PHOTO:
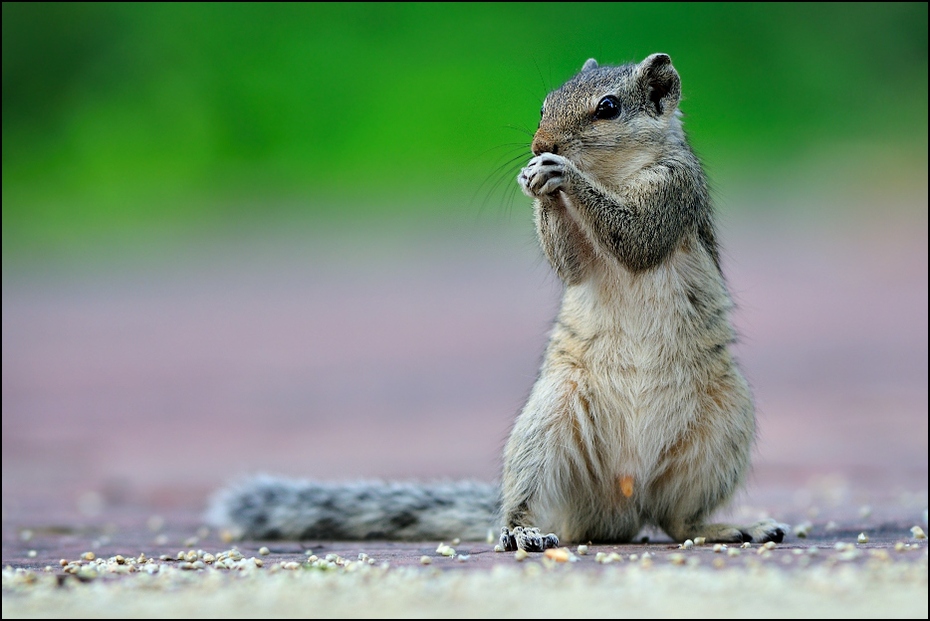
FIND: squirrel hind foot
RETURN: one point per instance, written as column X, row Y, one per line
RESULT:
column 528, row 539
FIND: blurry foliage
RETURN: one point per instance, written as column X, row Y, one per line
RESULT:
column 122, row 117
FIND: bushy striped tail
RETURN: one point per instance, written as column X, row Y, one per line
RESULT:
column 266, row 507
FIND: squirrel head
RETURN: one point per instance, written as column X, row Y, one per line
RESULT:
column 611, row 113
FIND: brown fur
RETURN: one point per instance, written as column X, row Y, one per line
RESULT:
column 640, row 414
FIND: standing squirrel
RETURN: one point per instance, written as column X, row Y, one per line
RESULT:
column 639, row 415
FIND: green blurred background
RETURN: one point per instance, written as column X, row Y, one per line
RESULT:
column 124, row 122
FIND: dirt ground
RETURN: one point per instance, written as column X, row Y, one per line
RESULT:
column 131, row 392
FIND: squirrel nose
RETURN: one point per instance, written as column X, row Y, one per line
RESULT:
column 543, row 143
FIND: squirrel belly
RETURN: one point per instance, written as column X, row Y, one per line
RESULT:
column 266, row 507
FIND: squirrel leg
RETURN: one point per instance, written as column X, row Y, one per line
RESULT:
column 565, row 244
column 691, row 483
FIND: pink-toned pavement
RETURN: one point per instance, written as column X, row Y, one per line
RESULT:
column 130, row 393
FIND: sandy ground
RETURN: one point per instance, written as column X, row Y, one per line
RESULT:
column 131, row 392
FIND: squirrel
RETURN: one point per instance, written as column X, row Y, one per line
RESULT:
column 639, row 415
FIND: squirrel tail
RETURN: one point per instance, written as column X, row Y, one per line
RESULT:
column 267, row 507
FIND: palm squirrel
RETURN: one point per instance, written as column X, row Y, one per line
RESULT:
column 639, row 415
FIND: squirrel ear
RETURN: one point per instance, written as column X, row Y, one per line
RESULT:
column 588, row 65
column 660, row 82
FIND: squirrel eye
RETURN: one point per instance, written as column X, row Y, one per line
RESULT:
column 541, row 110
column 608, row 108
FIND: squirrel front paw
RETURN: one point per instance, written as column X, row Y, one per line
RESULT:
column 544, row 174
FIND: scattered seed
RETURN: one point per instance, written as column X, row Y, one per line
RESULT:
column 559, row 555
column 291, row 565
column 498, row 548
column 31, row 553
column 63, row 562
column 264, row 551
column 733, row 552
column 456, row 541
column 918, row 532
column 862, row 538
column 719, row 547
column 425, row 560
column 770, row 545
column 582, row 550
column 746, row 545
column 699, row 541
column 88, row 556
column 900, row 546
column 521, row 554
column 687, row 545
column 677, row 559
column 155, row 523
